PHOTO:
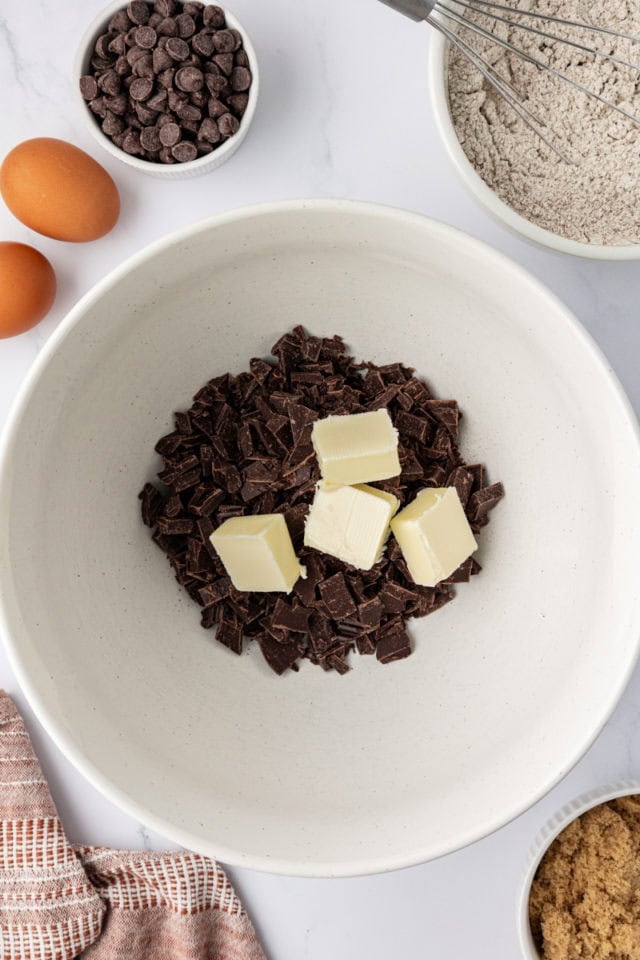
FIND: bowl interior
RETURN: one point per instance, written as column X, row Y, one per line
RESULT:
column 313, row 773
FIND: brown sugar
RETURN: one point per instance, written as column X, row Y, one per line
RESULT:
column 585, row 896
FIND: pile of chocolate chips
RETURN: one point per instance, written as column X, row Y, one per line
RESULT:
column 169, row 82
column 245, row 447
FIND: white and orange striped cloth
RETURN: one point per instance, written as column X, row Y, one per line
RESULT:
column 58, row 901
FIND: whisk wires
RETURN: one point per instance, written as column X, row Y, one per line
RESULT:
column 447, row 16
column 443, row 9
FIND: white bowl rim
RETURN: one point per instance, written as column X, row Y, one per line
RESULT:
column 546, row 836
column 487, row 197
column 56, row 729
column 209, row 161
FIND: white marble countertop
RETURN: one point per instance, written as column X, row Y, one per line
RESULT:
column 343, row 113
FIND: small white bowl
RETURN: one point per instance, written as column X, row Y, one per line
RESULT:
column 165, row 171
column 551, row 830
column 475, row 185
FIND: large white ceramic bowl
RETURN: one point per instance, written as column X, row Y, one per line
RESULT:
column 312, row 773
column 481, row 192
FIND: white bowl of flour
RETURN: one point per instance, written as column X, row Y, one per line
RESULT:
column 589, row 208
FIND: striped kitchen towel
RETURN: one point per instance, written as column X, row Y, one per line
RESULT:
column 58, row 901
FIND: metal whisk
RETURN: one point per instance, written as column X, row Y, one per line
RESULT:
column 447, row 15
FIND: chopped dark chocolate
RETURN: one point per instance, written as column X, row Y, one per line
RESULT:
column 337, row 598
column 394, row 644
column 244, row 447
column 290, row 618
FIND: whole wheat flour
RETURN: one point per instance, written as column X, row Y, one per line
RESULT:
column 597, row 199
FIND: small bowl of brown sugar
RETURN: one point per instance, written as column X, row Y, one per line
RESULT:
column 581, row 896
column 586, row 204
column 168, row 87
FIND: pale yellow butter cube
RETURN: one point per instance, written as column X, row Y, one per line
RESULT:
column 257, row 553
column 350, row 523
column 357, row 447
column 434, row 535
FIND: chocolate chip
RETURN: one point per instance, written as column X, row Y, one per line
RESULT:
column 213, row 16
column 88, row 87
column 216, row 84
column 184, row 151
column 228, row 125
column 155, row 19
column 194, row 9
column 224, row 41
column 134, row 53
column 99, row 64
column 122, row 66
column 216, row 108
column 209, row 131
column 238, row 103
column 188, row 113
column 241, row 59
column 143, row 67
column 175, row 99
column 120, row 22
column 117, row 104
column 102, row 46
column 186, row 25
column 165, row 79
column 131, row 144
column 145, row 114
column 203, row 44
column 225, row 62
column 140, row 89
column 169, row 134
column 158, row 101
column 165, row 156
column 161, row 61
column 111, row 124
column 138, row 11
column 150, row 139
column 110, row 83
column 189, row 79
column 167, row 27
column 240, row 79
column 166, row 8
column 146, row 37
column 118, row 46
column 177, row 48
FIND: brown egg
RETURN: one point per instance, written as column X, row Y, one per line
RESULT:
column 27, row 288
column 59, row 190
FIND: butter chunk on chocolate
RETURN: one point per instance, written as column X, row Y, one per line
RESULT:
column 434, row 535
column 356, row 447
column 257, row 553
column 350, row 523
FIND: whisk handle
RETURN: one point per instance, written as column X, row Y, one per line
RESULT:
column 415, row 9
